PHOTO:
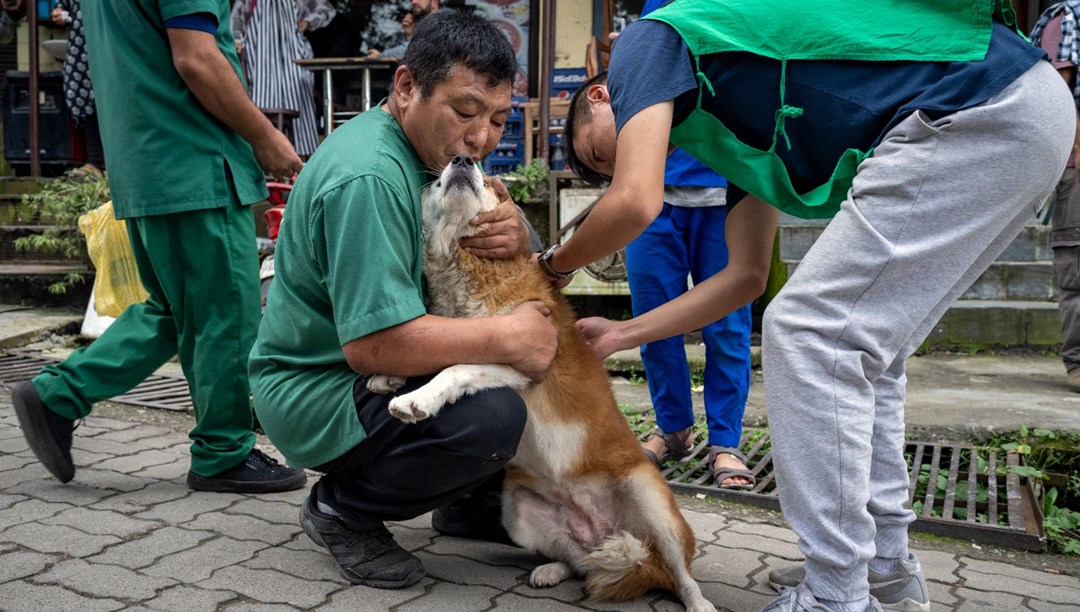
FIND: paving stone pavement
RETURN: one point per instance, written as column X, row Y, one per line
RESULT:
column 128, row 534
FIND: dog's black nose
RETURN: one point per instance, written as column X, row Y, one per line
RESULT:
column 462, row 160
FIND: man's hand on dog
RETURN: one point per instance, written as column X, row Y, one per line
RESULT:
column 536, row 339
column 602, row 335
column 506, row 235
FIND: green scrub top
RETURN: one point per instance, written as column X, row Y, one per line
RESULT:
column 165, row 152
column 348, row 263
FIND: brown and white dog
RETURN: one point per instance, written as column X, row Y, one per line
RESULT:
column 579, row 491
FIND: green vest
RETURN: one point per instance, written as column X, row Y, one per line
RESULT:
column 882, row 30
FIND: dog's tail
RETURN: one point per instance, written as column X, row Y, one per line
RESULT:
column 624, row 568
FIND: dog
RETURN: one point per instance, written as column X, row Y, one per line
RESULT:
column 579, row 491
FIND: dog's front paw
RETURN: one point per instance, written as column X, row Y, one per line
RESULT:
column 382, row 384
column 550, row 574
column 412, row 407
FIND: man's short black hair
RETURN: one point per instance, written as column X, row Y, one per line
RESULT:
column 445, row 39
column 579, row 115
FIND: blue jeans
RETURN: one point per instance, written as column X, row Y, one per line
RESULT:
column 681, row 242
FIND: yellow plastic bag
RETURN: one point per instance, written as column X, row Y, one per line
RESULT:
column 117, row 284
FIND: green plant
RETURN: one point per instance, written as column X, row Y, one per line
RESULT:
column 1046, row 452
column 527, row 182
column 59, row 205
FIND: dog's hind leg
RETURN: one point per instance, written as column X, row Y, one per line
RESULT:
column 452, row 384
column 550, row 574
column 671, row 535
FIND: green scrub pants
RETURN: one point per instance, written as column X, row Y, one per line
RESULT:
column 201, row 270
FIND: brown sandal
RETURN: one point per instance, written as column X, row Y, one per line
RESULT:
column 723, row 473
column 677, row 444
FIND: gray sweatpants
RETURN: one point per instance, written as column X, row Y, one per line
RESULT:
column 927, row 213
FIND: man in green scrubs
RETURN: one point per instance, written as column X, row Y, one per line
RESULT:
column 184, row 146
column 348, row 302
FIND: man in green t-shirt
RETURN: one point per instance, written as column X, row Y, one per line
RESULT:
column 184, row 145
column 348, row 302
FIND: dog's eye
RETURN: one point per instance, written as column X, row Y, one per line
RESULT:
column 438, row 183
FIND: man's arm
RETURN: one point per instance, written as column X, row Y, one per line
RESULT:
column 750, row 230
column 211, row 78
column 636, row 194
column 523, row 338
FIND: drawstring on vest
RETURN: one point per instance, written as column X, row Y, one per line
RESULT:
column 784, row 112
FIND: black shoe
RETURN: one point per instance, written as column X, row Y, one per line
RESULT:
column 366, row 555
column 48, row 434
column 476, row 516
column 259, row 473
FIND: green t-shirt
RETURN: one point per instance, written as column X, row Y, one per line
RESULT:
column 166, row 153
column 348, row 263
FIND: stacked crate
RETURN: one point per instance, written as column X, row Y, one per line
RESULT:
column 564, row 83
column 510, row 152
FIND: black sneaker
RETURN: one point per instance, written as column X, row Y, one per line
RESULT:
column 475, row 516
column 366, row 555
column 259, row 473
column 48, row 434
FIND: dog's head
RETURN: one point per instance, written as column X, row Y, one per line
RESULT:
column 459, row 194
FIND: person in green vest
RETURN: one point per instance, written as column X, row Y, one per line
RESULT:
column 348, row 301
column 930, row 132
column 184, row 146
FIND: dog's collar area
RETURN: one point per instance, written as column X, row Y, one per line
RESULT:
column 545, row 264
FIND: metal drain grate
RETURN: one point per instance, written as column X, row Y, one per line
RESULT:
column 979, row 505
column 158, row 391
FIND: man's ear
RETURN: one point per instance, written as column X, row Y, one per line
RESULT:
column 598, row 93
column 405, row 86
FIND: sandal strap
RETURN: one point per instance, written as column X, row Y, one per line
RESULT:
column 676, row 443
column 725, row 450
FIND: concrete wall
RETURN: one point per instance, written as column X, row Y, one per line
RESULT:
column 573, row 28
column 45, row 61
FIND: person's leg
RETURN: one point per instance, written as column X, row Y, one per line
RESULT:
column 209, row 266
column 924, row 217
column 1065, row 241
column 403, row 470
column 95, row 152
column 136, row 344
column 657, row 269
column 727, row 341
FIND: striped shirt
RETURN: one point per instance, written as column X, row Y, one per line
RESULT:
column 1068, row 48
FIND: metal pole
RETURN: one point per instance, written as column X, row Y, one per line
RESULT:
column 35, row 105
column 547, row 65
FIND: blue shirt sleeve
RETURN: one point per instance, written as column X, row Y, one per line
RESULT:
column 649, row 64
column 203, row 22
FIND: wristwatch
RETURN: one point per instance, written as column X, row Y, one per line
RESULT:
column 545, row 264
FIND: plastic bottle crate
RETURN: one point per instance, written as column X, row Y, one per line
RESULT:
column 510, row 146
column 514, row 127
column 493, row 169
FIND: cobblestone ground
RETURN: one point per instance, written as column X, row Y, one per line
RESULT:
column 128, row 534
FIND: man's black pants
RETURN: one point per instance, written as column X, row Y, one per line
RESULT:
column 403, row 470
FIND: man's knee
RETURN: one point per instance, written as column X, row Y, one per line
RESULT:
column 487, row 425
